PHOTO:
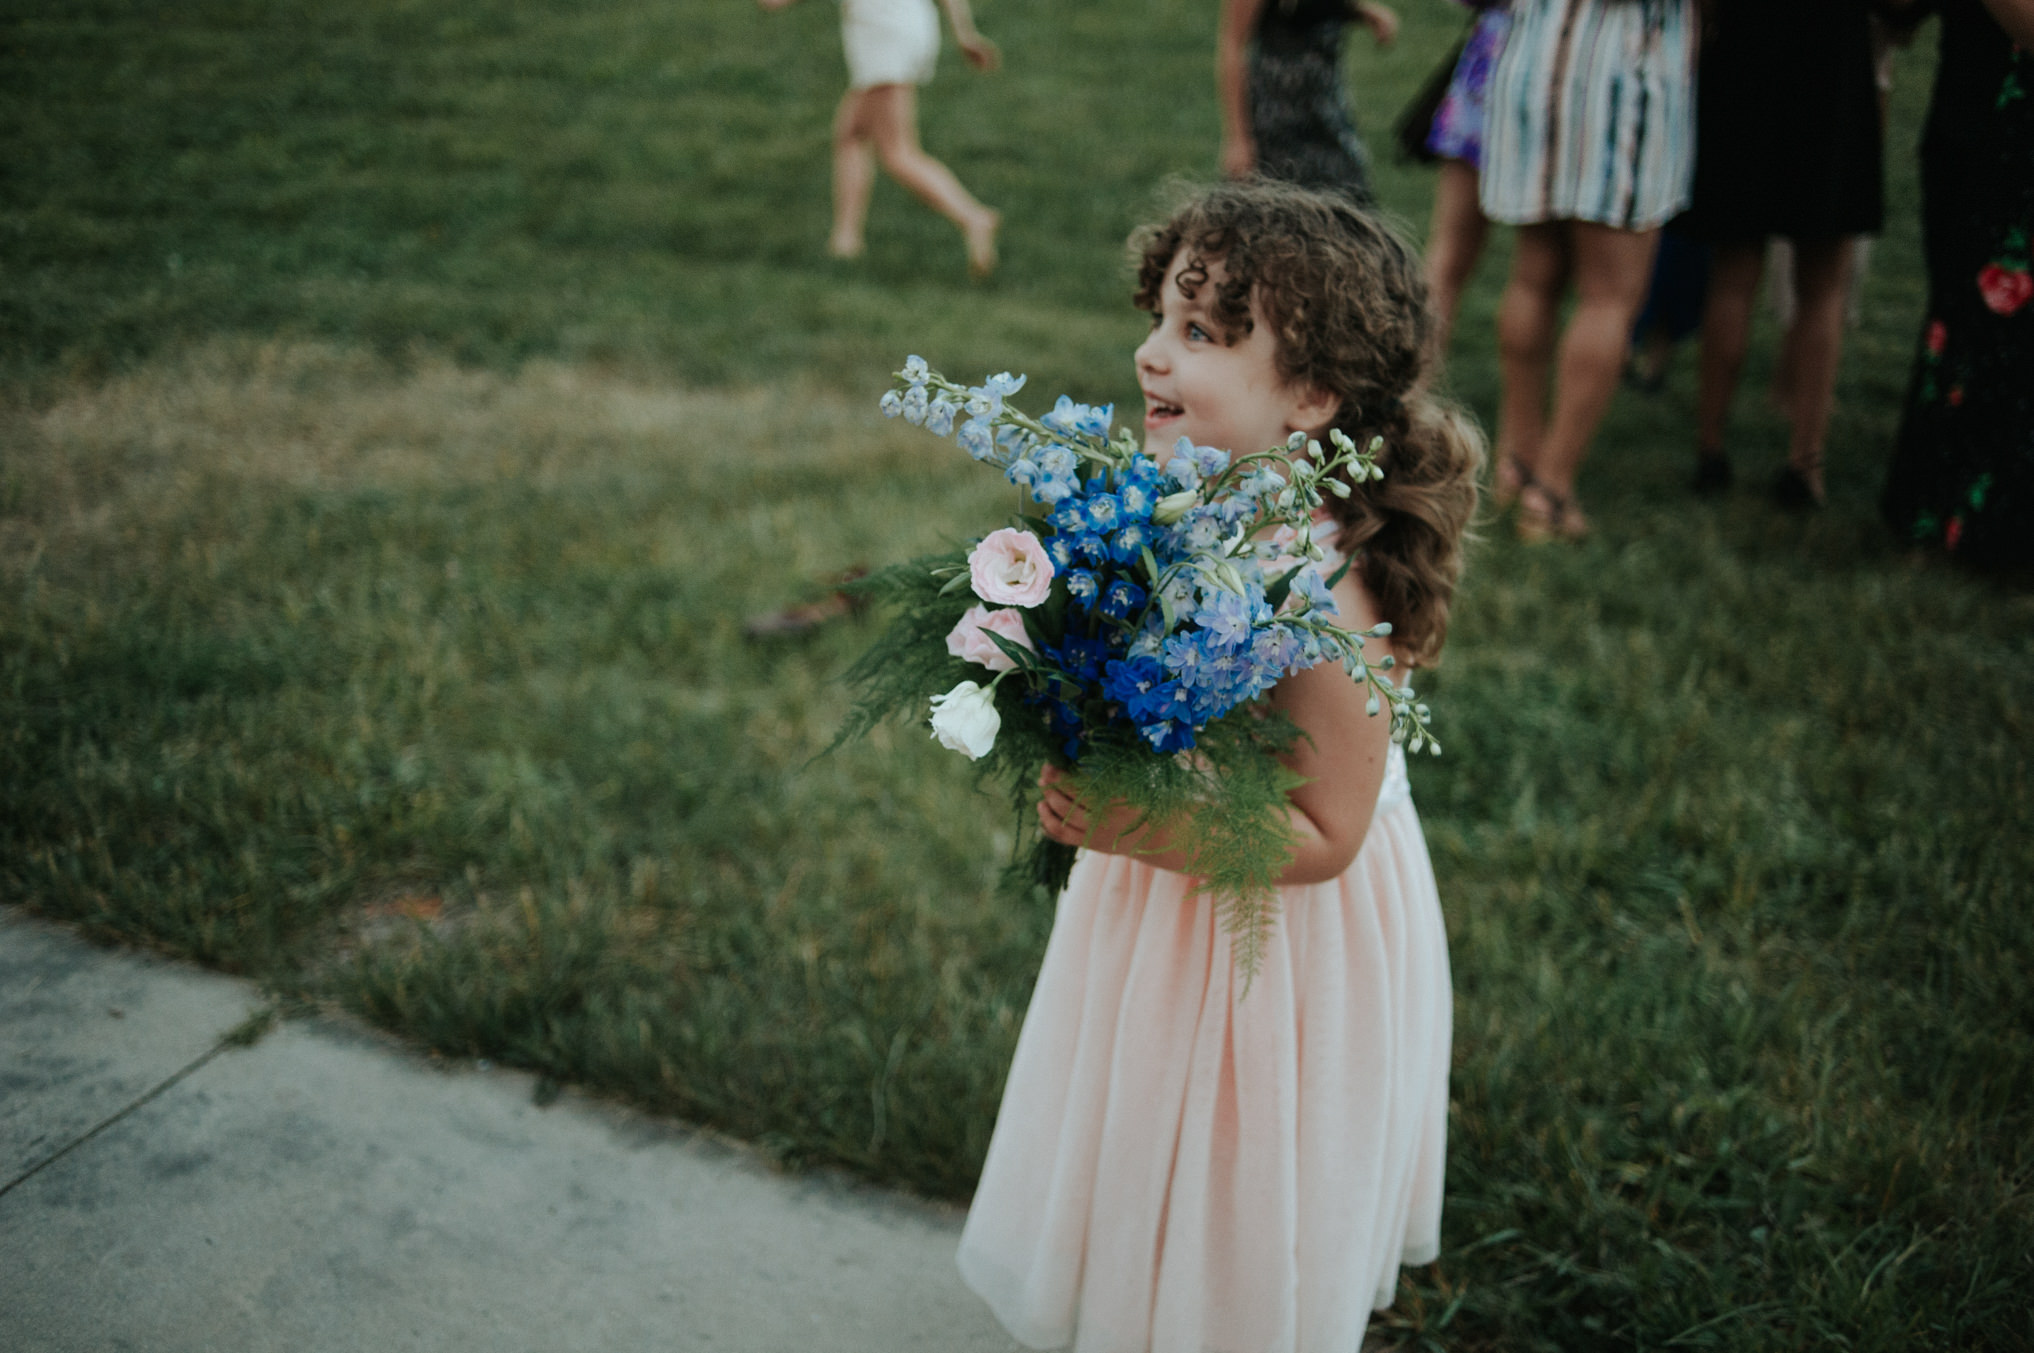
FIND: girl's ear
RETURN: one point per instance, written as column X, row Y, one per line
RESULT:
column 1312, row 409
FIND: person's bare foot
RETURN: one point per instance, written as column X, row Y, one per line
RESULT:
column 981, row 238
column 844, row 247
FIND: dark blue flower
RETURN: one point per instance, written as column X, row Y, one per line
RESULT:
column 1121, row 598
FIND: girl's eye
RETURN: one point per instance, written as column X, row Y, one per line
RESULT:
column 1196, row 331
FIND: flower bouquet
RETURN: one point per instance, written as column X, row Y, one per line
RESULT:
column 1124, row 624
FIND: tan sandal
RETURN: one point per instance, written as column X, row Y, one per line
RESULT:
column 1545, row 516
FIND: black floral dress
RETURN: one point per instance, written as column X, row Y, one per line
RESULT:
column 1962, row 476
column 1299, row 115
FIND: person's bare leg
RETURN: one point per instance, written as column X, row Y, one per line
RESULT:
column 1821, row 278
column 1611, row 268
column 892, row 124
column 1526, row 319
column 1726, row 331
column 854, row 177
column 1454, row 243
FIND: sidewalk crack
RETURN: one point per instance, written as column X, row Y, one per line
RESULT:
column 242, row 1035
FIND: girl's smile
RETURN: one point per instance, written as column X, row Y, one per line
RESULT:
column 1225, row 394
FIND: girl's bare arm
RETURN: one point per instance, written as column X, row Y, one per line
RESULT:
column 981, row 53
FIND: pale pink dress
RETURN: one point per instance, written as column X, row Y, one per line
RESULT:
column 1181, row 1168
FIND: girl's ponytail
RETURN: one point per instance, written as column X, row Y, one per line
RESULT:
column 1409, row 528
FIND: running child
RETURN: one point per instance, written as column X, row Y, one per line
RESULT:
column 891, row 47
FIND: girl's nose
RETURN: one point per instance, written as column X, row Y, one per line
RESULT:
column 1150, row 353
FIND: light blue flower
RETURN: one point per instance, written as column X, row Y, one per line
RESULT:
column 1072, row 418
column 916, row 371
column 939, row 417
column 1312, row 590
column 892, row 403
column 1226, row 616
column 1209, row 460
column 986, row 400
column 976, row 437
column 915, row 400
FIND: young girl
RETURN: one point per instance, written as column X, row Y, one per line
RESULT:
column 891, row 47
column 1180, row 1165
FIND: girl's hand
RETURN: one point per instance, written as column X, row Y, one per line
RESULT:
column 1068, row 820
column 1381, row 20
column 1239, row 156
column 981, row 53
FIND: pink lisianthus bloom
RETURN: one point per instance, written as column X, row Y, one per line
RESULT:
column 1010, row 567
column 969, row 640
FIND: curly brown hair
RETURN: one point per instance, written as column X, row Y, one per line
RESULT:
column 1345, row 297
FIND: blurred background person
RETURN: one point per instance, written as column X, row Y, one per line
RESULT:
column 892, row 47
column 1454, row 137
column 1962, row 476
column 1588, row 148
column 1278, row 73
column 1673, row 309
column 1789, row 144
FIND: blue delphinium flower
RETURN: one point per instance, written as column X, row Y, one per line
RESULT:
column 986, row 400
column 1101, row 509
column 1130, row 542
column 1134, row 499
column 1081, row 583
column 1080, row 658
column 1312, row 591
column 1070, row 418
column 1121, row 598
column 1225, row 615
column 939, row 417
column 977, row 438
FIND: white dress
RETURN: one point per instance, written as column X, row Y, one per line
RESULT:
column 1183, row 1168
column 889, row 42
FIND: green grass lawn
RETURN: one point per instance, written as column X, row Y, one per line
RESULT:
column 402, row 406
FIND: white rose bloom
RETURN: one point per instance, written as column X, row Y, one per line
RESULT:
column 965, row 719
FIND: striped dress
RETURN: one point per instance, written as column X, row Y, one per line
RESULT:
column 1591, row 114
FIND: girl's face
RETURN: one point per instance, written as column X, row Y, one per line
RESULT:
column 1221, row 394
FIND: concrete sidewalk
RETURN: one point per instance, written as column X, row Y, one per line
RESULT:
column 163, row 1190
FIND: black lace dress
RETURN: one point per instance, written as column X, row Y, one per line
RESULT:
column 1962, row 476
column 1299, row 114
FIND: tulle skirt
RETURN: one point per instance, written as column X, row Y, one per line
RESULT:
column 1179, row 1166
